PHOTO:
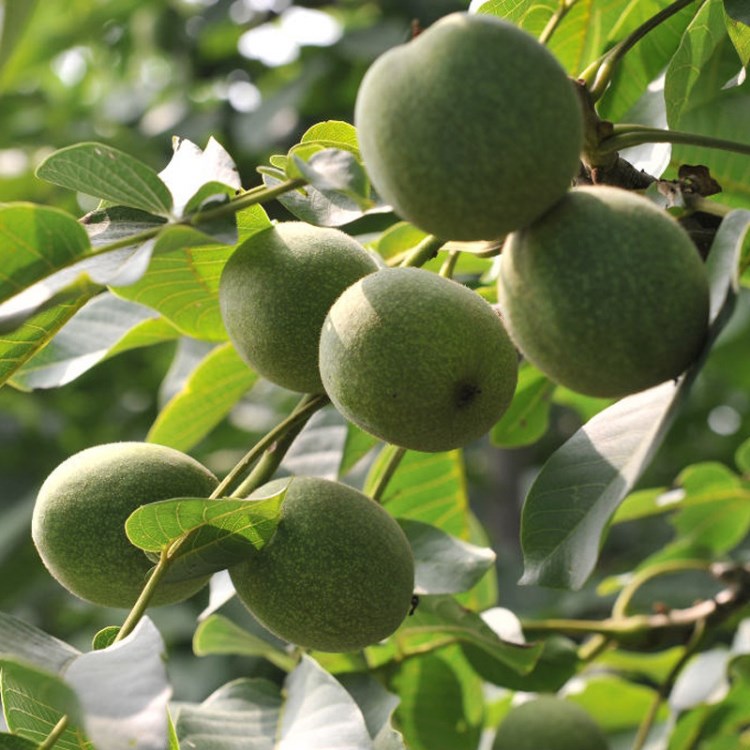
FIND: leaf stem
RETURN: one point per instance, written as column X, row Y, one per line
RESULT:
column 274, row 454
column 259, row 194
column 57, row 732
column 392, row 462
column 555, row 19
column 144, row 599
column 625, row 135
column 620, row 607
column 449, row 266
column 426, row 250
column 598, row 75
column 302, row 412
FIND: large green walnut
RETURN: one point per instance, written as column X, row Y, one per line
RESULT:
column 338, row 573
column 470, row 130
column 606, row 294
column 417, row 360
column 275, row 291
column 549, row 723
column 78, row 524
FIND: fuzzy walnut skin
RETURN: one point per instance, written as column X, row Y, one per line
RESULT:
column 417, row 360
column 275, row 291
column 606, row 294
column 471, row 130
column 78, row 524
column 337, row 575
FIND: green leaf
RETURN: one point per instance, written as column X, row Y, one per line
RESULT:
column 105, row 637
column 182, row 284
column 699, row 101
column 558, row 662
column 427, row 487
column 527, row 418
column 206, row 397
column 35, row 700
column 444, row 564
column 439, row 621
column 14, row 742
column 219, row 635
column 332, row 134
column 357, row 445
column 103, row 326
column 105, row 172
column 204, row 535
column 398, row 239
column 581, row 485
column 18, row 347
column 616, row 704
column 646, row 60
column 442, row 705
column 636, row 666
column 36, row 241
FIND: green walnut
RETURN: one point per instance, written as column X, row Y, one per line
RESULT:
column 275, row 291
column 470, row 130
column 606, row 294
column 78, row 523
column 549, row 723
column 417, row 360
column 338, row 573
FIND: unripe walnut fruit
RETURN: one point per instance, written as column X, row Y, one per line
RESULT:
column 275, row 291
column 78, row 524
column 470, row 130
column 606, row 293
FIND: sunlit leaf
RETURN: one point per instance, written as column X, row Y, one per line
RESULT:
column 428, row 487
column 377, row 706
column 105, row 172
column 191, row 168
column 441, row 701
column 205, row 398
column 22, row 344
column 124, row 690
column 219, row 635
column 36, row 241
column 332, row 134
column 243, row 712
column 103, row 326
column 527, row 418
